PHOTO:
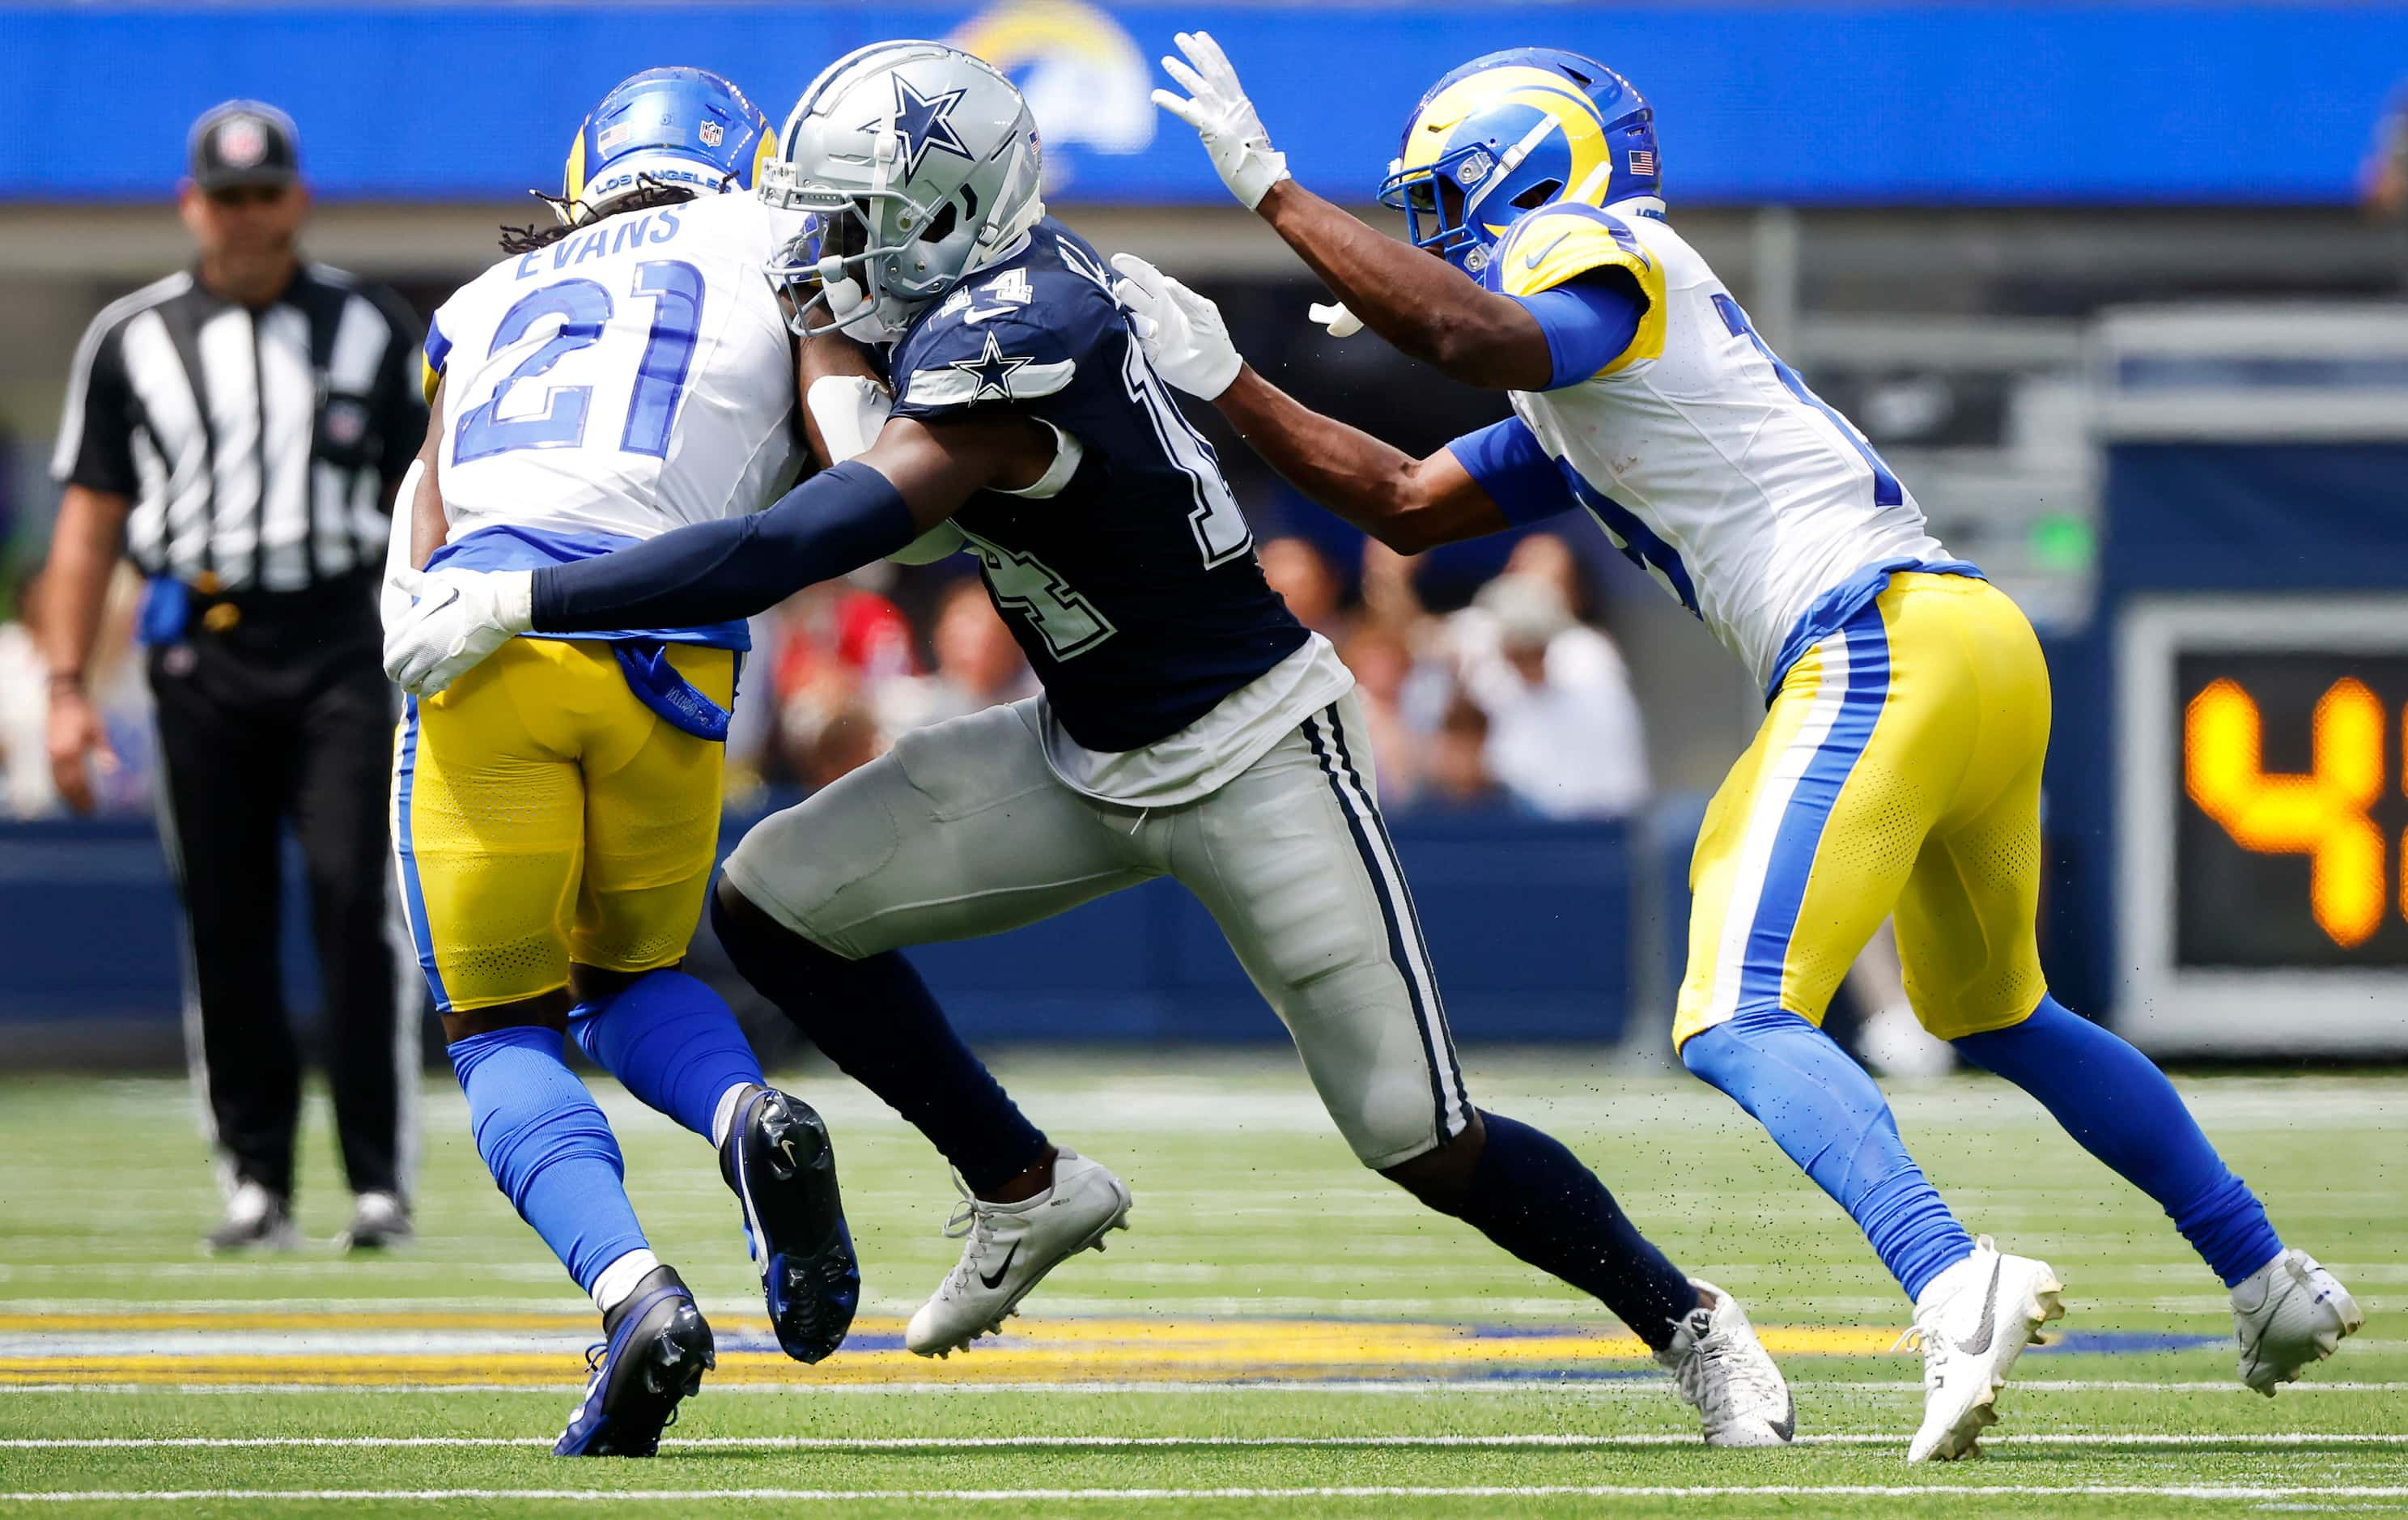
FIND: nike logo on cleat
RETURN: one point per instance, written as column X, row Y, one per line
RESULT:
column 996, row 1281
column 1980, row 1344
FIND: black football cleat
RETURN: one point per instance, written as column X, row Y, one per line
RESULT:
column 655, row 1350
column 781, row 1165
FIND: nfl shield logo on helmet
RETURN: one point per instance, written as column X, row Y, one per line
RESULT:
column 712, row 133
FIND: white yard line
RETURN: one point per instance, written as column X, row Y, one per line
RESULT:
column 947, row 1443
column 1142, row 1495
column 1636, row 1384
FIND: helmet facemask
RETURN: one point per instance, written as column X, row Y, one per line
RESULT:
column 889, row 234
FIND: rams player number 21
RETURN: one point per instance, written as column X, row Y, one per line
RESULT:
column 556, row 812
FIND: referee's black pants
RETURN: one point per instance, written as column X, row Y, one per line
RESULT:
column 281, row 714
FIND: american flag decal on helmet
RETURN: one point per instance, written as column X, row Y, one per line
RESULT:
column 1642, row 162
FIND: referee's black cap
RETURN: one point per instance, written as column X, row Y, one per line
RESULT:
column 244, row 142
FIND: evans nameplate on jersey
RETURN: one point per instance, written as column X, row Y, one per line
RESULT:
column 2263, row 834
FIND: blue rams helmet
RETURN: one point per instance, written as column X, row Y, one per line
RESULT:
column 1510, row 132
column 679, row 127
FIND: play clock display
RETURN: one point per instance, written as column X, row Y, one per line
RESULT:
column 2264, row 822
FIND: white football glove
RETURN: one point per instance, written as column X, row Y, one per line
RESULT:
column 458, row 617
column 1340, row 322
column 1223, row 117
column 1181, row 332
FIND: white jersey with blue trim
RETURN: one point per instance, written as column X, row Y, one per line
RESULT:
column 629, row 379
column 1705, row 458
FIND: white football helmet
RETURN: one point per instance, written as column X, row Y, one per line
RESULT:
column 920, row 164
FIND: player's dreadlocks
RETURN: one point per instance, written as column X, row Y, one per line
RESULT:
column 575, row 217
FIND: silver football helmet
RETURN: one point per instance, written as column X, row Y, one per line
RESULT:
column 920, row 165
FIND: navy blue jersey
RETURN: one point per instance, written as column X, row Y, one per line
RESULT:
column 1133, row 590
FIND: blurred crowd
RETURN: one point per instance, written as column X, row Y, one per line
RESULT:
column 1516, row 702
column 125, row 773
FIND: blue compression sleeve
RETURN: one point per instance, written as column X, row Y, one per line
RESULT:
column 671, row 1041
column 1508, row 462
column 1589, row 324
column 838, row 521
column 2121, row 1109
column 1827, row 1113
column 551, row 1151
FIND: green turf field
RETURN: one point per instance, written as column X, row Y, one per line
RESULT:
column 1277, row 1333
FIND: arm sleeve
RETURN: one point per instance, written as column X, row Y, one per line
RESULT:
column 1589, row 323
column 96, row 433
column 838, row 521
column 1507, row 461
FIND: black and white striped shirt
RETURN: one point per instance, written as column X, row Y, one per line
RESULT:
column 257, row 447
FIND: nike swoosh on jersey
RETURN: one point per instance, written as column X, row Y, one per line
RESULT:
column 1980, row 1344
column 996, row 1281
column 980, row 313
column 1537, row 256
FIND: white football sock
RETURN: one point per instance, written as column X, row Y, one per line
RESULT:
column 723, row 1119
column 620, row 1278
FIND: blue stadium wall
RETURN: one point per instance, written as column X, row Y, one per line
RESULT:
column 1811, row 103
column 1532, row 926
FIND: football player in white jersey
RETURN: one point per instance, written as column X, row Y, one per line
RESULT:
column 1898, row 766
column 556, row 813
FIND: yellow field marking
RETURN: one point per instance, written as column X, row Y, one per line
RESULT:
column 1045, row 1351
column 1279, row 1339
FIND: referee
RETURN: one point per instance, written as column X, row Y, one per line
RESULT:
column 238, row 429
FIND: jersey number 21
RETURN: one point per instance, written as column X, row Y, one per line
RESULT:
column 585, row 308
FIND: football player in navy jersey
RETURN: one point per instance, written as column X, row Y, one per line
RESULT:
column 1189, row 726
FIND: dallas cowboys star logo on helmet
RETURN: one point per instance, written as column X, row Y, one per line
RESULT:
column 993, row 370
column 922, row 122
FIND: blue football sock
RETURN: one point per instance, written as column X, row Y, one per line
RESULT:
column 879, row 1023
column 1823, row 1110
column 2121, row 1109
column 552, row 1152
column 671, row 1041
column 1531, row 1196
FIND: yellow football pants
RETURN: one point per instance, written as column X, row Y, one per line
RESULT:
column 1899, row 771
column 543, row 814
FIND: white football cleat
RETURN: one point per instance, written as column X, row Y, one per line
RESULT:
column 1725, row 1374
column 1974, row 1320
column 2287, row 1316
column 1010, row 1248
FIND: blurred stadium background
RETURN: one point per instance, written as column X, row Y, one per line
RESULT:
column 2116, row 287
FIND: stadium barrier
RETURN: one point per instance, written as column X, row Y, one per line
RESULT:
column 1530, row 923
